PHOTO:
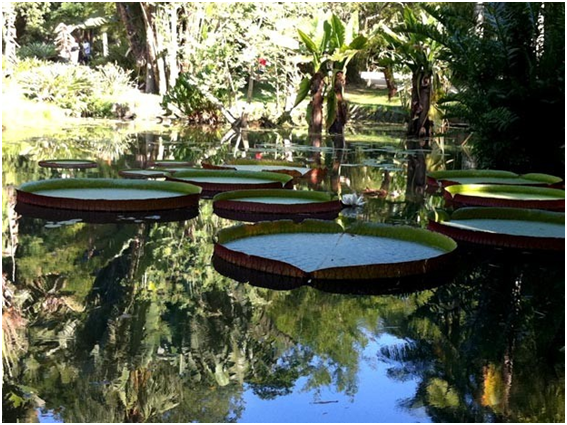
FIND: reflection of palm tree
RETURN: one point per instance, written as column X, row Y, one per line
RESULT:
column 466, row 346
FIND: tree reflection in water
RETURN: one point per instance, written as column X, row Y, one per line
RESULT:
column 129, row 322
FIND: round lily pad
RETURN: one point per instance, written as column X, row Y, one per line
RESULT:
column 109, row 194
column 452, row 177
column 67, row 163
column 166, row 163
column 293, row 169
column 504, row 227
column 274, row 204
column 216, row 181
column 134, row 173
column 506, row 196
column 325, row 251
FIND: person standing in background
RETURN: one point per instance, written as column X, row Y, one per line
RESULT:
column 86, row 52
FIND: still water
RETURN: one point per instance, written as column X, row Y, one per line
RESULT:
column 131, row 322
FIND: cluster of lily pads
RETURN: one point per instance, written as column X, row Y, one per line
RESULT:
column 291, row 238
column 501, row 208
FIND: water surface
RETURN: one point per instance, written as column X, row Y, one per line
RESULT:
column 130, row 322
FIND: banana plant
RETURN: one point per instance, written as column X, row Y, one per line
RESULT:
column 331, row 47
column 417, row 52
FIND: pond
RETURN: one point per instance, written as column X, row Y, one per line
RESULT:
column 130, row 321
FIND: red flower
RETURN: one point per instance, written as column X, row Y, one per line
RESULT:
column 262, row 61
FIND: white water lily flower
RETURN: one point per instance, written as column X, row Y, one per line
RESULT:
column 353, row 200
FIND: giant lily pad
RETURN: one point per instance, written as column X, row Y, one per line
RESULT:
column 293, row 169
column 216, row 181
column 134, row 173
column 167, row 163
column 483, row 195
column 505, row 227
column 67, row 163
column 452, row 177
column 274, row 204
column 109, row 194
column 325, row 251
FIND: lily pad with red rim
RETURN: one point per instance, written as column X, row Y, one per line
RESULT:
column 134, row 173
column 274, row 204
column 324, row 251
column 167, row 163
column 68, row 163
column 216, row 181
column 451, row 177
column 482, row 195
column 294, row 169
column 109, row 194
column 503, row 227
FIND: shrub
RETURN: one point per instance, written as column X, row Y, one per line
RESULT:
column 81, row 90
column 186, row 100
column 66, row 86
column 44, row 51
column 113, row 79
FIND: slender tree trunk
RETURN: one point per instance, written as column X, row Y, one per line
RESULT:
column 129, row 15
column 173, row 46
column 420, row 125
column 316, row 121
column 9, row 35
column 390, row 82
column 104, row 44
column 156, row 64
column 338, row 125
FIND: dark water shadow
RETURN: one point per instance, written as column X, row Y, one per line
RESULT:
column 105, row 217
column 256, row 217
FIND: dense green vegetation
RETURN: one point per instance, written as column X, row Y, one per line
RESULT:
column 497, row 67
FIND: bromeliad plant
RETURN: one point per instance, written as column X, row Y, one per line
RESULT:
column 332, row 45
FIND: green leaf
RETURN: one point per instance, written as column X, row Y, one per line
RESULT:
column 327, row 30
column 303, row 91
column 358, row 43
column 338, row 31
column 351, row 28
column 331, row 108
column 309, row 43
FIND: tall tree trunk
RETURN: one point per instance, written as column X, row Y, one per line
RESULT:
column 338, row 125
column 129, row 15
column 390, row 82
column 104, row 44
column 9, row 36
column 173, row 47
column 420, row 124
column 316, row 121
column 152, row 47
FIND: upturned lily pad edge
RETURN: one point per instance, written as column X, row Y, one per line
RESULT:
column 188, row 195
column 442, row 175
column 478, row 237
column 66, row 163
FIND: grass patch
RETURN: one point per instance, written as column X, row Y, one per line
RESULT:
column 370, row 97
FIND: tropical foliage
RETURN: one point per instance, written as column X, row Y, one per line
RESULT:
column 331, row 46
column 507, row 64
